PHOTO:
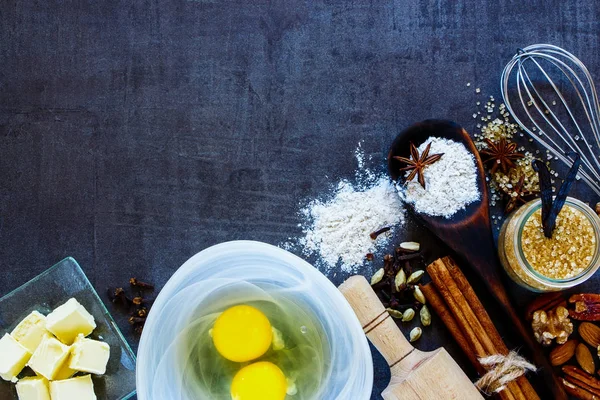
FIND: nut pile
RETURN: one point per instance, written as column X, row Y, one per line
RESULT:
column 552, row 317
column 396, row 286
column 137, row 306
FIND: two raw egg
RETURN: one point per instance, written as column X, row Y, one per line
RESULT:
column 241, row 334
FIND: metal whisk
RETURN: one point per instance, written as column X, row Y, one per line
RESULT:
column 556, row 103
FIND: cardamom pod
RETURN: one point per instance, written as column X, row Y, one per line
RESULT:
column 408, row 315
column 425, row 316
column 377, row 276
column 419, row 295
column 395, row 313
column 415, row 276
column 400, row 280
column 410, row 246
column 415, row 334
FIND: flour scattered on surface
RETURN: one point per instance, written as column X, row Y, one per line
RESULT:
column 451, row 182
column 338, row 230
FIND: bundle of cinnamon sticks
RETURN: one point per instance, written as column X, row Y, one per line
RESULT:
column 454, row 300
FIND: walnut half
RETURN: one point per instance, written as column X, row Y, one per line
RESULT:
column 554, row 324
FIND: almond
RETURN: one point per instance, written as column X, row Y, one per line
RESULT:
column 563, row 353
column 584, row 358
column 590, row 333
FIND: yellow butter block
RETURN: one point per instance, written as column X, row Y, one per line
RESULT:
column 70, row 320
column 65, row 372
column 35, row 388
column 89, row 355
column 80, row 388
column 49, row 357
column 30, row 331
column 13, row 358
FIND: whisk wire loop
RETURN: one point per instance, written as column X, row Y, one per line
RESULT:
column 541, row 76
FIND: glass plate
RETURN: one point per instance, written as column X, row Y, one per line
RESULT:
column 48, row 291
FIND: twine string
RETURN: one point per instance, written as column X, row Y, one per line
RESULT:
column 502, row 370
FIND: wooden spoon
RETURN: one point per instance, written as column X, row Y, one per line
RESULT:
column 469, row 231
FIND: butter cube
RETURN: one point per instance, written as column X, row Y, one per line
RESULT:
column 65, row 372
column 70, row 320
column 89, row 355
column 13, row 358
column 33, row 389
column 49, row 357
column 80, row 388
column 30, row 331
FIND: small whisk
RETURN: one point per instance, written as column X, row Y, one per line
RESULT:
column 556, row 103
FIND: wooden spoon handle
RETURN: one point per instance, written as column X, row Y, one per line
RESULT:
column 379, row 327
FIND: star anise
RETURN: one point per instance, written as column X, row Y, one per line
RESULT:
column 502, row 154
column 417, row 163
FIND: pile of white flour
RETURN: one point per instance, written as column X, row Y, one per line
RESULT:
column 338, row 230
column 450, row 182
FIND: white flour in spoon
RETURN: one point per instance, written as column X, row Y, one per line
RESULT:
column 450, row 182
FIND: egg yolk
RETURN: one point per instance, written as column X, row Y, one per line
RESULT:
column 259, row 381
column 242, row 333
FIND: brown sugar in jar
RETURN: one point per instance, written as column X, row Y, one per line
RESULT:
column 543, row 264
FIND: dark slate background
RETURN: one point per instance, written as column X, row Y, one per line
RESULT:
column 134, row 134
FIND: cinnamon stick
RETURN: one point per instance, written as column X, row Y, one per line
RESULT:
column 464, row 307
column 472, row 328
column 485, row 320
column 461, row 320
column 438, row 306
column 465, row 327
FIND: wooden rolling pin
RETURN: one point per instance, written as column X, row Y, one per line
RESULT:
column 416, row 375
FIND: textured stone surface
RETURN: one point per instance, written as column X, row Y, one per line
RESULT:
column 135, row 133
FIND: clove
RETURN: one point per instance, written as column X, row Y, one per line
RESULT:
column 378, row 232
column 137, row 283
column 142, row 312
column 136, row 320
column 137, row 306
column 139, row 300
column 118, row 296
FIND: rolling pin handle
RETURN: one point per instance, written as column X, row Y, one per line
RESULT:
column 379, row 327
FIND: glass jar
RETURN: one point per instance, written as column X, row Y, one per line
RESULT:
column 515, row 260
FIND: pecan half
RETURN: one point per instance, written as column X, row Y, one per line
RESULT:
column 586, row 307
column 545, row 302
column 577, row 391
column 582, row 380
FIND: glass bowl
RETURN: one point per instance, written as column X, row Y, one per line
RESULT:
column 51, row 289
column 208, row 274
